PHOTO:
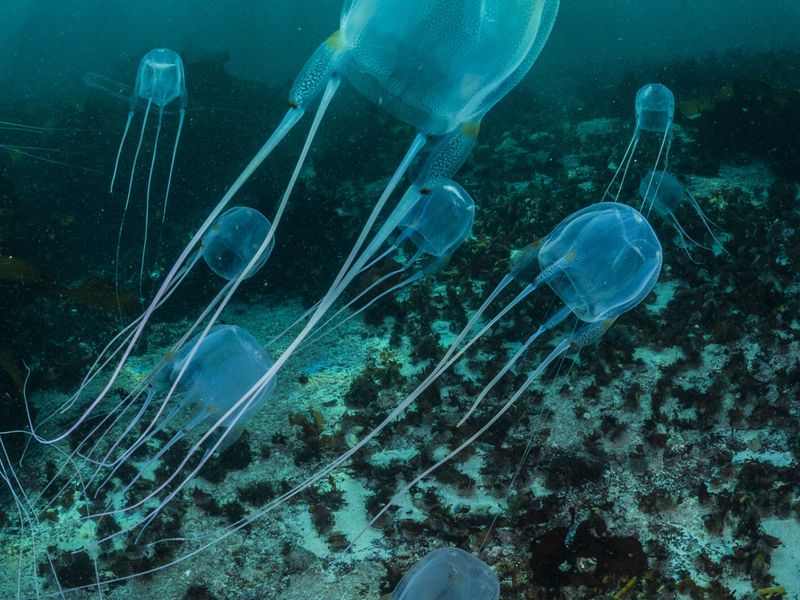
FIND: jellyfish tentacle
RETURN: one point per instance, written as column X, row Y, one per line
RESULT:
column 119, row 150
column 181, row 118
column 625, row 157
column 554, row 320
column 147, row 197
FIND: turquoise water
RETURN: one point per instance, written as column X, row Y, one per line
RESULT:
column 655, row 457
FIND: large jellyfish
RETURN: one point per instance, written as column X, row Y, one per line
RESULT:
column 206, row 379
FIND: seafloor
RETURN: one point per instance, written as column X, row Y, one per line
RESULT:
column 664, row 460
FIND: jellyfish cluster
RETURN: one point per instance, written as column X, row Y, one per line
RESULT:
column 131, row 448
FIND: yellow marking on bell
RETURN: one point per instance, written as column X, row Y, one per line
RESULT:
column 471, row 129
column 335, row 41
column 608, row 323
column 570, row 256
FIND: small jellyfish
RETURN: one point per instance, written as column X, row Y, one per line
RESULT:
column 666, row 197
column 199, row 385
column 448, row 574
column 234, row 240
column 655, row 112
column 160, row 80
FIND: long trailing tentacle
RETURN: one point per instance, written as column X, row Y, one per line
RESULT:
column 709, row 224
column 309, row 311
column 627, row 166
column 128, row 201
column 322, row 331
column 557, row 318
column 181, row 119
column 664, row 142
column 147, row 198
column 119, row 150
column 625, row 157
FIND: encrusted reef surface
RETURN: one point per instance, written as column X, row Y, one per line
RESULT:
column 662, row 462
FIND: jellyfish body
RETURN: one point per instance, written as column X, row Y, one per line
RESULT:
column 439, row 220
column 224, row 365
column 655, row 112
column 448, row 574
column 664, row 199
column 434, row 221
column 202, row 381
column 233, row 240
column 160, row 80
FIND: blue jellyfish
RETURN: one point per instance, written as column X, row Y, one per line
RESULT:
column 449, row 573
column 666, row 197
column 655, row 112
column 160, row 80
column 233, row 240
column 14, row 138
column 435, row 222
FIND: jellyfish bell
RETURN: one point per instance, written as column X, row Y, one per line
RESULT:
column 440, row 220
column 161, row 77
column 232, row 241
column 655, row 108
column 439, row 64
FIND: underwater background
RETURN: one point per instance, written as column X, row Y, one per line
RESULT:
column 661, row 462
